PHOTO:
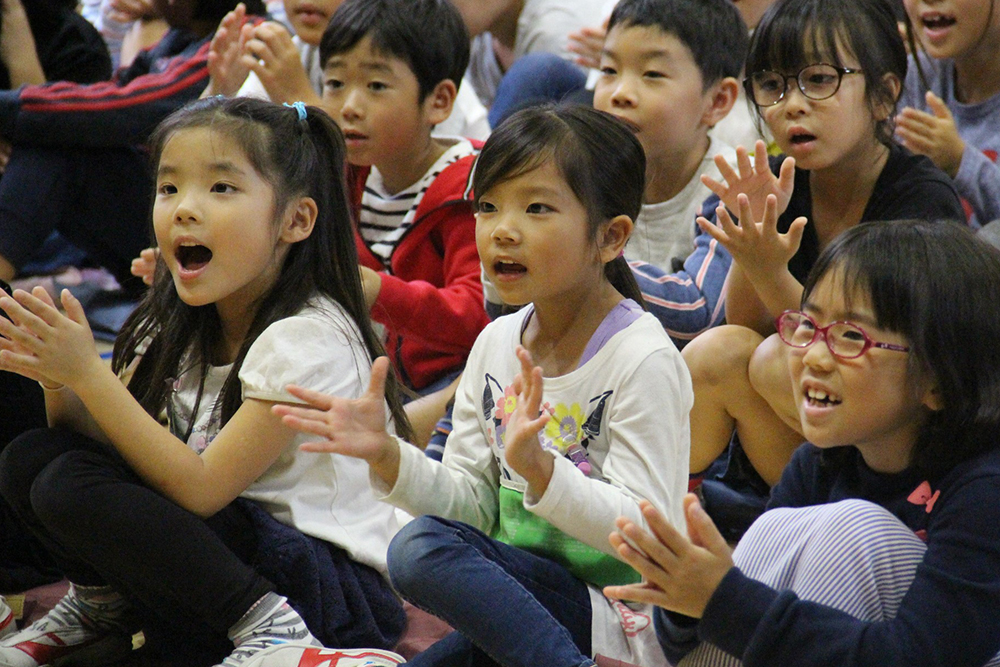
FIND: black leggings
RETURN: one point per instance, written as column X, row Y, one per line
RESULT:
column 103, row 525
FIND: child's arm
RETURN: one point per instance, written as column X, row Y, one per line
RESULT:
column 761, row 286
column 464, row 488
column 647, row 457
column 61, row 348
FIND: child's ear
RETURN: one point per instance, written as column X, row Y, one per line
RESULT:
column 896, row 88
column 613, row 237
column 438, row 104
column 720, row 97
column 932, row 398
column 300, row 220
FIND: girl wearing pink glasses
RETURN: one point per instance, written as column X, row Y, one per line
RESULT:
column 881, row 543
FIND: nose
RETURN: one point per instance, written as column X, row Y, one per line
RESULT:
column 352, row 107
column 818, row 355
column 624, row 93
column 505, row 231
column 795, row 102
column 187, row 211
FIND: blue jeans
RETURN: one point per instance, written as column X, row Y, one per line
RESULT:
column 509, row 607
column 535, row 79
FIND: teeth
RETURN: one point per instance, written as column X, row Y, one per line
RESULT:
column 820, row 395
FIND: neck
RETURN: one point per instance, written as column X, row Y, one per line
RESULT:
column 667, row 175
column 504, row 27
column 977, row 73
column 404, row 171
column 560, row 329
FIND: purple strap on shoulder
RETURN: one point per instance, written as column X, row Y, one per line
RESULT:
column 623, row 314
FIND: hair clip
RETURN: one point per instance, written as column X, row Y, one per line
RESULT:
column 299, row 106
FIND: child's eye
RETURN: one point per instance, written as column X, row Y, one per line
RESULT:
column 224, row 188
column 538, row 209
column 377, row 86
column 653, row 74
column 608, row 71
column 485, row 207
column 333, row 84
column 166, row 189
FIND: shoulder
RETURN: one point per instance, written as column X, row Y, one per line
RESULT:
column 911, row 186
column 454, row 180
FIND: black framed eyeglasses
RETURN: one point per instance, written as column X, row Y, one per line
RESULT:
column 817, row 82
column 845, row 340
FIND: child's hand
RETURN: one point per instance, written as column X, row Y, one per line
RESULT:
column 587, row 45
column 934, row 135
column 753, row 180
column 350, row 427
column 43, row 344
column 126, row 11
column 272, row 56
column 522, row 451
column 144, row 266
column 757, row 247
column 226, row 70
column 679, row 573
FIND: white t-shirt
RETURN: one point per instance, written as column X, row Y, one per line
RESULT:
column 630, row 402
column 666, row 230
column 327, row 496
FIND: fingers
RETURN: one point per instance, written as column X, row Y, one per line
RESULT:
column 760, row 158
column 376, row 386
column 938, row 106
column 795, row 232
column 726, row 170
column 713, row 185
column 743, row 161
column 786, row 175
column 702, row 526
column 35, row 314
column 73, row 307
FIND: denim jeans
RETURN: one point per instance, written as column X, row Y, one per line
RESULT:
column 508, row 607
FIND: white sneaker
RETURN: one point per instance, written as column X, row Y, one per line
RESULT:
column 305, row 655
column 59, row 635
column 7, row 624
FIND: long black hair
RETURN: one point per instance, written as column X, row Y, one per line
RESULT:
column 598, row 155
column 298, row 158
column 936, row 284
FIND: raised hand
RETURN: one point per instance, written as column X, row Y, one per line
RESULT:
column 144, row 266
column 522, row 450
column 758, row 247
column 271, row 54
column 679, row 573
column 754, row 180
column 226, row 68
column 587, row 44
column 41, row 343
column 352, row 427
column 932, row 134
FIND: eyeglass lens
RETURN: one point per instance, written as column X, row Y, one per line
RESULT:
column 817, row 82
column 843, row 339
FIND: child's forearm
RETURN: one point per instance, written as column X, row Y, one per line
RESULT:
column 64, row 409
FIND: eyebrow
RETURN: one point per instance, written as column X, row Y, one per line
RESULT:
column 369, row 65
column 648, row 54
column 849, row 316
column 224, row 167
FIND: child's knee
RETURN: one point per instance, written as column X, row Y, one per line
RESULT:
column 768, row 369
column 413, row 550
column 720, row 355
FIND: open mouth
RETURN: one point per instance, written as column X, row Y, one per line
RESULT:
column 937, row 21
column 505, row 267
column 193, row 257
column 820, row 399
column 803, row 138
column 352, row 135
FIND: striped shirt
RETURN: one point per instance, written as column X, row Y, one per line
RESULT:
column 385, row 218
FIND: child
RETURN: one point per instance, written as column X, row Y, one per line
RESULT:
column 555, row 210
column 951, row 105
column 391, row 68
column 662, row 71
column 887, row 545
column 256, row 287
column 824, row 76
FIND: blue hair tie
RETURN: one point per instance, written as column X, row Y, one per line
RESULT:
column 299, row 106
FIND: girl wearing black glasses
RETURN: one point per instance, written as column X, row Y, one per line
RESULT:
column 881, row 543
column 824, row 75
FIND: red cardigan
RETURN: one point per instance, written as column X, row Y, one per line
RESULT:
column 431, row 301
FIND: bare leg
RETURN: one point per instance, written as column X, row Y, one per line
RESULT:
column 769, row 378
column 724, row 399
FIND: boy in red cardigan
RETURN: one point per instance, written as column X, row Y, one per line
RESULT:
column 391, row 71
